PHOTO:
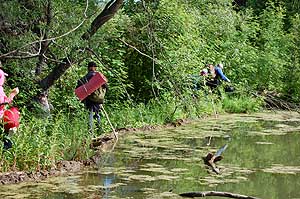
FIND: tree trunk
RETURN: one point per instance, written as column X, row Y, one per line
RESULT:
column 107, row 13
column 55, row 74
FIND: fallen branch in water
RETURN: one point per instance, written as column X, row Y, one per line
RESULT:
column 215, row 193
column 211, row 159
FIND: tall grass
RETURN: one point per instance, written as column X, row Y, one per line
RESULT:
column 162, row 111
column 40, row 143
column 242, row 104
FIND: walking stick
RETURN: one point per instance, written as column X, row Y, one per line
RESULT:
column 113, row 129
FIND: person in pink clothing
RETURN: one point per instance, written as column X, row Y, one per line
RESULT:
column 3, row 98
column 9, row 117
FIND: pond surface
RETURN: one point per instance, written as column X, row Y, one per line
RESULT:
column 262, row 159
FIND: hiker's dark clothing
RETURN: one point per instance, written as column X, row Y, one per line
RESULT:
column 7, row 143
column 217, row 80
column 91, row 106
column 213, row 83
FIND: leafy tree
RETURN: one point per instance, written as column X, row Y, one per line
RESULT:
column 292, row 72
column 273, row 45
column 52, row 43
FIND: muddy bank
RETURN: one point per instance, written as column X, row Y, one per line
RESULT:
column 64, row 167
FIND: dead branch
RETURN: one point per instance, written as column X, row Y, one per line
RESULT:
column 211, row 159
column 133, row 47
column 151, row 42
column 275, row 100
column 215, row 193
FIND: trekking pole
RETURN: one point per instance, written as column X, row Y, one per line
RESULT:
column 113, row 129
column 213, row 105
column 210, row 95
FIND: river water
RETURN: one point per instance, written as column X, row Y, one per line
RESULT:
column 262, row 159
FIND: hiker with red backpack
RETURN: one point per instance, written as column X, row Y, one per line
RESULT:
column 91, row 90
column 9, row 116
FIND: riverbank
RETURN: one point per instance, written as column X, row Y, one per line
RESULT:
column 64, row 167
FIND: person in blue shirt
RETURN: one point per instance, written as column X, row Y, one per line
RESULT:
column 220, row 74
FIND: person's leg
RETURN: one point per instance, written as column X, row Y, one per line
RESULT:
column 98, row 119
column 212, row 83
column 7, row 143
column 91, row 120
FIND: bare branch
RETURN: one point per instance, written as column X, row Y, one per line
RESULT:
column 27, row 55
column 61, row 68
column 53, row 60
column 5, row 55
column 133, row 47
column 44, row 44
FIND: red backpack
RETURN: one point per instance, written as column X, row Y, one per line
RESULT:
column 11, row 118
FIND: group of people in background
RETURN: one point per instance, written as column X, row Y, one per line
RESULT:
column 215, row 75
column 210, row 76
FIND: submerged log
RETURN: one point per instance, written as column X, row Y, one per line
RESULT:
column 211, row 159
column 215, row 193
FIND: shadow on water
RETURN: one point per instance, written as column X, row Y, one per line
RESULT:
column 262, row 160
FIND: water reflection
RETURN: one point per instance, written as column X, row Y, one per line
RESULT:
column 108, row 181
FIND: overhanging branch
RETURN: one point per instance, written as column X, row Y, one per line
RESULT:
column 107, row 13
column 110, row 9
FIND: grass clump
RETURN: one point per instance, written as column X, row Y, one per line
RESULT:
column 242, row 104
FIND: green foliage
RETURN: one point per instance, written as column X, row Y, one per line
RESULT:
column 242, row 104
column 160, row 111
column 274, row 44
column 292, row 73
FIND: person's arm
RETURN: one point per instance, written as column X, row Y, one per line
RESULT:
column 220, row 72
column 13, row 93
column 105, row 86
